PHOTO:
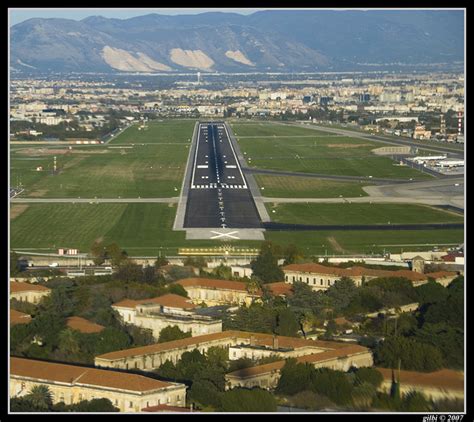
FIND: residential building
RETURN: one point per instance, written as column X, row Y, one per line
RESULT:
column 71, row 384
column 17, row 317
column 26, row 292
column 214, row 292
column 341, row 357
column 165, row 311
column 243, row 344
column 321, row 277
column 83, row 325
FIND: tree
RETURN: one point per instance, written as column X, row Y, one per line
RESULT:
column 172, row 333
column 14, row 269
column 368, row 375
column 203, row 393
column 98, row 252
column 287, row 323
column 115, row 253
column 414, row 355
column 177, row 289
column 68, row 342
column 363, row 395
column 414, row 401
column 431, row 292
column 40, row 397
column 161, row 262
column 94, row 405
column 241, row 400
column 342, row 292
column 129, row 271
column 294, row 377
column 265, row 266
column 291, row 254
column 333, row 384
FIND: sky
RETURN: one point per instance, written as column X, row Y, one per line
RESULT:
column 17, row 15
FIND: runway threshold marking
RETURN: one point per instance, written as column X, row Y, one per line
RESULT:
column 230, row 234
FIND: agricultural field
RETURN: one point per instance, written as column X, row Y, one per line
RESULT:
column 284, row 148
column 307, row 187
column 348, row 214
column 140, row 229
column 340, row 242
column 106, row 171
column 157, row 132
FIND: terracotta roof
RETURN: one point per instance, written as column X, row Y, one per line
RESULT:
column 280, row 288
column 166, row 408
column 353, row 271
column 313, row 358
column 170, row 300
column 72, row 374
column 16, row 287
column 441, row 274
column 83, row 325
column 445, row 378
column 215, row 284
column 17, row 317
column 260, row 339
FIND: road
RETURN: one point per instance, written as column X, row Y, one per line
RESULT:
column 218, row 194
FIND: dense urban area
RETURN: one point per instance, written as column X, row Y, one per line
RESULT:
column 237, row 242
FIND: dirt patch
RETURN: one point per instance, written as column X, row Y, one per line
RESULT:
column 38, row 193
column 335, row 244
column 348, row 145
column 17, row 209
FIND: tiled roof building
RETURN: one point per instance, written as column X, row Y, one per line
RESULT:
column 26, row 292
column 165, row 311
column 321, row 277
column 71, row 384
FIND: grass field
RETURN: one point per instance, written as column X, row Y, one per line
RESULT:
column 366, row 242
column 146, row 229
column 140, row 229
column 310, row 151
column 272, row 129
column 359, row 214
column 306, row 187
column 157, row 132
column 108, row 171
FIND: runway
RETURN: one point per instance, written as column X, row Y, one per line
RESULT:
column 218, row 195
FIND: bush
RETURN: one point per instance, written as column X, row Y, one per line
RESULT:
column 369, row 375
column 242, row 400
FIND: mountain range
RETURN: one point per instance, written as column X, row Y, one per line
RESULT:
column 272, row 40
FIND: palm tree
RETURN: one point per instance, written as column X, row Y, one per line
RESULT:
column 40, row 397
column 68, row 342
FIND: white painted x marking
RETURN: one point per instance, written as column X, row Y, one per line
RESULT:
column 218, row 234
